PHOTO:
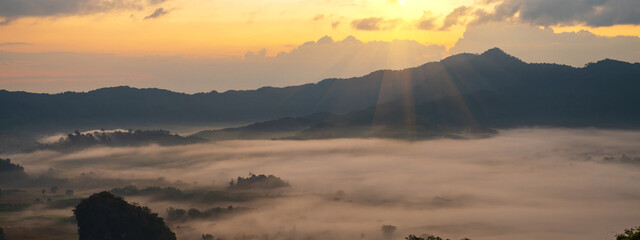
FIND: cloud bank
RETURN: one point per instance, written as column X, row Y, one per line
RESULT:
column 569, row 12
column 13, row 9
column 533, row 44
column 523, row 184
column 310, row 62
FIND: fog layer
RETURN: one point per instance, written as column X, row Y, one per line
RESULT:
column 522, row 184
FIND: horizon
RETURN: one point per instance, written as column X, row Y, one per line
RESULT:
column 189, row 45
column 316, row 82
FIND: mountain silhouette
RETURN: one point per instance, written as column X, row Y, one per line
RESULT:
column 491, row 89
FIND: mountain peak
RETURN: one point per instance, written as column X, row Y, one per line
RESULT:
column 497, row 55
column 495, row 51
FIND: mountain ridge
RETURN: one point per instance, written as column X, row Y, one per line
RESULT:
column 493, row 70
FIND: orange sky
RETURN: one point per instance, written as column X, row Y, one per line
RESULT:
column 60, row 45
column 231, row 28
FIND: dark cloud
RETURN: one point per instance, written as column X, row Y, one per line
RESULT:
column 374, row 24
column 568, row 12
column 533, row 44
column 15, row 44
column 157, row 13
column 455, row 17
column 13, row 9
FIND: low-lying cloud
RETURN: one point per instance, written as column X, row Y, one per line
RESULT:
column 522, row 184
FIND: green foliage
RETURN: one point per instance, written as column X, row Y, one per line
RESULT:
column 105, row 216
column 629, row 234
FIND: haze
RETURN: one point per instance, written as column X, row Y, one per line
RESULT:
column 523, row 184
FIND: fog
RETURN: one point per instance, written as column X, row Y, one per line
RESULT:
column 521, row 184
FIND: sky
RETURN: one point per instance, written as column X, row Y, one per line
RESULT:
column 204, row 45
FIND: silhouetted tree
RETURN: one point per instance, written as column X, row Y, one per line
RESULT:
column 69, row 192
column 258, row 182
column 105, row 216
column 207, row 237
column 629, row 234
column 387, row 231
column 427, row 237
column 173, row 213
column 10, row 171
column 53, row 189
column 194, row 213
column 2, row 234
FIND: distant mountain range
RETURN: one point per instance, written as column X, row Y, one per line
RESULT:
column 464, row 92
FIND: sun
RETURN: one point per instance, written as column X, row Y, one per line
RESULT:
column 401, row 2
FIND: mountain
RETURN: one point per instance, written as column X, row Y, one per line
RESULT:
column 602, row 93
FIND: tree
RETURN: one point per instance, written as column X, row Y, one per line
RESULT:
column 105, row 216
column 629, row 234
column 387, row 231
column 69, row 192
column 207, row 237
column 427, row 237
column 173, row 213
column 53, row 189
column 2, row 235
column 194, row 213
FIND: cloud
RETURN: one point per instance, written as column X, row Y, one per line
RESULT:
column 13, row 9
column 533, row 44
column 307, row 63
column 335, row 24
column 6, row 21
column 157, row 13
column 455, row 17
column 521, row 184
column 569, row 12
column 426, row 22
column 374, row 24
column 318, row 17
column 15, row 44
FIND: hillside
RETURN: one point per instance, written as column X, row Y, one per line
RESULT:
column 608, row 84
